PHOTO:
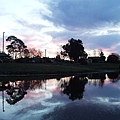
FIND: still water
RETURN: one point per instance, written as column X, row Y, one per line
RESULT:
column 85, row 97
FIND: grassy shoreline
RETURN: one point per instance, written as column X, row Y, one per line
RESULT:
column 22, row 71
column 61, row 68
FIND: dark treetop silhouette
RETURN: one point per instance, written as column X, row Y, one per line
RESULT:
column 16, row 46
column 74, row 49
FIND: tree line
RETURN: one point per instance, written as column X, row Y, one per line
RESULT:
column 74, row 50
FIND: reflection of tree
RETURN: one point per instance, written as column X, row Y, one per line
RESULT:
column 16, row 93
column 74, row 88
column 36, row 84
column 16, row 90
column 113, row 76
column 97, row 78
column 101, row 82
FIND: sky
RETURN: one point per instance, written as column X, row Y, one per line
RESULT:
column 49, row 24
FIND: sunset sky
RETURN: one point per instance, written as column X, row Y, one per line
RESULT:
column 48, row 24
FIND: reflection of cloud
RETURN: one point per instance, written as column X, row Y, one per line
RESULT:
column 36, row 103
column 107, row 100
column 40, row 105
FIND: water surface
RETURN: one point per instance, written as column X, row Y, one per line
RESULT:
column 85, row 97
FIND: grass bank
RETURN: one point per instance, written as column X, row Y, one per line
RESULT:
column 61, row 68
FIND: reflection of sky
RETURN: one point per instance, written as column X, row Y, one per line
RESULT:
column 108, row 94
column 35, row 104
column 43, row 102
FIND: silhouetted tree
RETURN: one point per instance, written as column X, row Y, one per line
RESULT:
column 26, row 53
column 74, row 49
column 16, row 46
column 58, row 59
column 33, row 52
column 102, row 57
column 101, row 53
column 113, row 58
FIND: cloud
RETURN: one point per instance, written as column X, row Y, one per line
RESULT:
column 95, row 22
column 49, row 22
column 84, row 14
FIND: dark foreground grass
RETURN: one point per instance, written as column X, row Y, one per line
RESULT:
column 45, row 68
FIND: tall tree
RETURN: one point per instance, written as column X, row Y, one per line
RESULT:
column 74, row 49
column 16, row 46
column 34, row 52
column 101, row 53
